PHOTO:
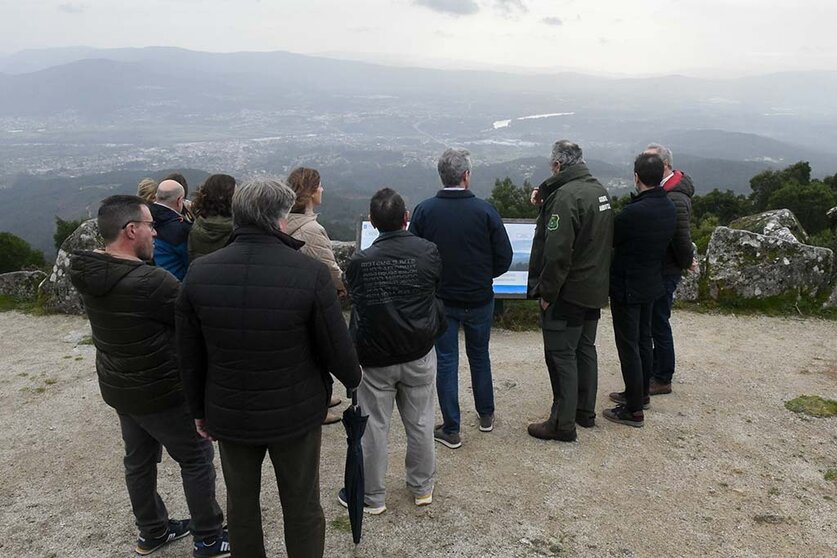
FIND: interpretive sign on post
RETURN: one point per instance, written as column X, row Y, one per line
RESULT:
column 511, row 284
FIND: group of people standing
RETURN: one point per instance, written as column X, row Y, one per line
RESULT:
column 234, row 335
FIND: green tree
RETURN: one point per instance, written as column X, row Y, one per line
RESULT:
column 702, row 232
column 63, row 229
column 511, row 201
column 726, row 206
column 16, row 254
column 809, row 202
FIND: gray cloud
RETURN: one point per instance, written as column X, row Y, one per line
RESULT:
column 71, row 8
column 510, row 7
column 451, row 7
column 556, row 21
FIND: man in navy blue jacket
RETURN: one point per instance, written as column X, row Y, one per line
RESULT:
column 475, row 249
column 171, row 246
column 642, row 233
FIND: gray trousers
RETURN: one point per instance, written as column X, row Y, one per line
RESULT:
column 570, row 354
column 412, row 386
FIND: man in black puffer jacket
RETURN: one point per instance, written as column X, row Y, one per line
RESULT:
column 679, row 258
column 259, row 329
column 131, row 309
column 642, row 232
column 395, row 322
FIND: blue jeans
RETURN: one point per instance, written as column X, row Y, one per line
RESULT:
column 477, row 325
column 661, row 332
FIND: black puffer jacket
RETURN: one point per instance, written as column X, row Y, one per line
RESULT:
column 131, row 309
column 396, row 316
column 680, row 252
column 259, row 328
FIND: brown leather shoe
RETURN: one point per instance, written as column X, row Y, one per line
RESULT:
column 656, row 388
column 332, row 418
column 546, row 431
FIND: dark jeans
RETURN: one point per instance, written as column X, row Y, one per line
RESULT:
column 144, row 437
column 632, row 329
column 572, row 362
column 661, row 332
column 476, row 322
column 296, row 463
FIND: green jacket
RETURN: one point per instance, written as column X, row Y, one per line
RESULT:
column 571, row 251
column 209, row 234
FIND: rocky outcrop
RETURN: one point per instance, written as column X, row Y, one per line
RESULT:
column 832, row 213
column 688, row 289
column 831, row 303
column 342, row 252
column 59, row 295
column 779, row 223
column 21, row 285
column 745, row 265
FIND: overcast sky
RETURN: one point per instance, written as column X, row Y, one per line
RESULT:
column 603, row 36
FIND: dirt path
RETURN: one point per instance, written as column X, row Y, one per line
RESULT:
column 721, row 468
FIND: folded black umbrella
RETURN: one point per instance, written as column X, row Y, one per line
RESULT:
column 355, row 423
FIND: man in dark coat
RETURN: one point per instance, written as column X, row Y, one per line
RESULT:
column 395, row 322
column 259, row 329
column 171, row 247
column 568, row 274
column 475, row 249
column 642, row 232
column 131, row 309
column 679, row 259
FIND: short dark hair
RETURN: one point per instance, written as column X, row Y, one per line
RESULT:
column 180, row 179
column 386, row 210
column 116, row 212
column 649, row 168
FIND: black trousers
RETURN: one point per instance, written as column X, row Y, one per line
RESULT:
column 297, row 466
column 632, row 329
column 571, row 359
column 145, row 436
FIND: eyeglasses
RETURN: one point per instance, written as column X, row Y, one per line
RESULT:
column 149, row 223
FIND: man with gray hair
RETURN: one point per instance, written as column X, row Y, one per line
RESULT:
column 568, row 274
column 679, row 258
column 171, row 247
column 475, row 248
column 259, row 329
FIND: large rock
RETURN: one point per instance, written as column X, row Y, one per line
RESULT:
column 831, row 303
column 59, row 295
column 744, row 265
column 21, row 285
column 832, row 213
column 688, row 289
column 781, row 223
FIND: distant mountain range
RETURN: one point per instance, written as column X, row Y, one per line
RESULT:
column 78, row 123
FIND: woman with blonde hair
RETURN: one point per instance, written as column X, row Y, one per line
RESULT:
column 147, row 189
column 303, row 225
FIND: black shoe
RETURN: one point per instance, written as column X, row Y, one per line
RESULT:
column 177, row 529
column 547, row 431
column 620, row 414
column 585, row 421
column 217, row 547
column 657, row 388
column 619, row 397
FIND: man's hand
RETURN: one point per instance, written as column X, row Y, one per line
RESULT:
column 535, row 197
column 200, row 426
column 544, row 305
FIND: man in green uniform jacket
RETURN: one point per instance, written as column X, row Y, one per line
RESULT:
column 569, row 273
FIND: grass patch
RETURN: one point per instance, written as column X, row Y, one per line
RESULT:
column 518, row 315
column 86, row 340
column 9, row 304
column 831, row 475
column 50, row 381
column 812, row 405
column 39, row 389
column 341, row 523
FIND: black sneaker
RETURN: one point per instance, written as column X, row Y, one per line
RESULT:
column 619, row 397
column 217, row 547
column 371, row 510
column 452, row 440
column 585, row 421
column 487, row 423
column 622, row 415
column 177, row 529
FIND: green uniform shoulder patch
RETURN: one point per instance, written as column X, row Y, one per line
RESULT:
column 552, row 225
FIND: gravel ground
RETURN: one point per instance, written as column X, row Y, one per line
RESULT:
column 720, row 469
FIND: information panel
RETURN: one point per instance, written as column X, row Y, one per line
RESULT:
column 511, row 284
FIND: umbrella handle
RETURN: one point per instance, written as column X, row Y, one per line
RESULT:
column 352, row 392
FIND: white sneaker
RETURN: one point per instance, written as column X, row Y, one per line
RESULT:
column 425, row 500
